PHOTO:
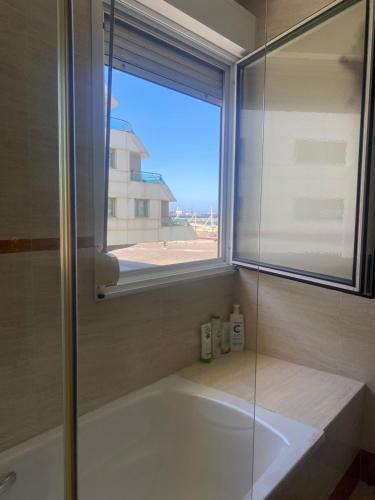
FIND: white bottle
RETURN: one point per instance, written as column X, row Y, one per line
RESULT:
column 237, row 327
column 216, row 336
column 206, row 343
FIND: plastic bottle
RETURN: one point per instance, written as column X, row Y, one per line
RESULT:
column 206, row 342
column 237, row 327
column 216, row 336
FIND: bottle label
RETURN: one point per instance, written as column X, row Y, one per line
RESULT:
column 206, row 346
column 237, row 333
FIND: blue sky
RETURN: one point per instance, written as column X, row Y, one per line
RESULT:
column 181, row 134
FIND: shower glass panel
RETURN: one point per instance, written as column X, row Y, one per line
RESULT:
column 31, row 410
column 155, row 421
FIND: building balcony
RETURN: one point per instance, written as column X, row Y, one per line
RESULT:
column 148, row 177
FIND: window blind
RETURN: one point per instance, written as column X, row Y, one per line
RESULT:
column 146, row 56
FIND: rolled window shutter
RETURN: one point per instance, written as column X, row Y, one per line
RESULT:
column 146, row 56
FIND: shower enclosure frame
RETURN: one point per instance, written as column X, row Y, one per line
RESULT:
column 68, row 241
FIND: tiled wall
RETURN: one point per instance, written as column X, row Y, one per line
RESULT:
column 124, row 343
column 30, row 356
column 313, row 326
column 284, row 14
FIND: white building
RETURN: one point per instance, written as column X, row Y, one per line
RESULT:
column 138, row 205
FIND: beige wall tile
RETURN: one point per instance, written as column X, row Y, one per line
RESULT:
column 14, row 173
column 284, row 14
column 289, row 313
column 30, row 354
column 276, row 16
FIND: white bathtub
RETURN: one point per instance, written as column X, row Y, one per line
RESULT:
column 173, row 440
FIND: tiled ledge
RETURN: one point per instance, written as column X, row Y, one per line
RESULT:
column 310, row 396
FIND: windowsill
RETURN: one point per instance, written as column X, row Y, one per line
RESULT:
column 166, row 277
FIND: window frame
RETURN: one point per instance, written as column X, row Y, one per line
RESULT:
column 363, row 271
column 138, row 280
column 146, row 206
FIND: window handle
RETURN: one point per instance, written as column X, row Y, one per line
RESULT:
column 6, row 481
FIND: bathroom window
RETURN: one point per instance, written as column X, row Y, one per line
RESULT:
column 169, row 125
column 141, row 208
column 303, row 177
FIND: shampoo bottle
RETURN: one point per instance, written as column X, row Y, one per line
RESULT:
column 237, row 334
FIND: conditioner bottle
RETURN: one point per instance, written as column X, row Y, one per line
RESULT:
column 237, row 327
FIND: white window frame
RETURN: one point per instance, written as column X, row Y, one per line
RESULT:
column 139, row 280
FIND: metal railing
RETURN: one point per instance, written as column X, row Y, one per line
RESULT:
column 173, row 221
column 121, row 125
column 148, row 177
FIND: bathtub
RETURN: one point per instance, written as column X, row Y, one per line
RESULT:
column 172, row 440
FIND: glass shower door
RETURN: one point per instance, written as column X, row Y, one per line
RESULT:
column 155, row 421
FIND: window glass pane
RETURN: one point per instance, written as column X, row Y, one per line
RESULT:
column 141, row 208
column 112, row 158
column 135, row 162
column 249, row 160
column 166, row 181
column 311, row 162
